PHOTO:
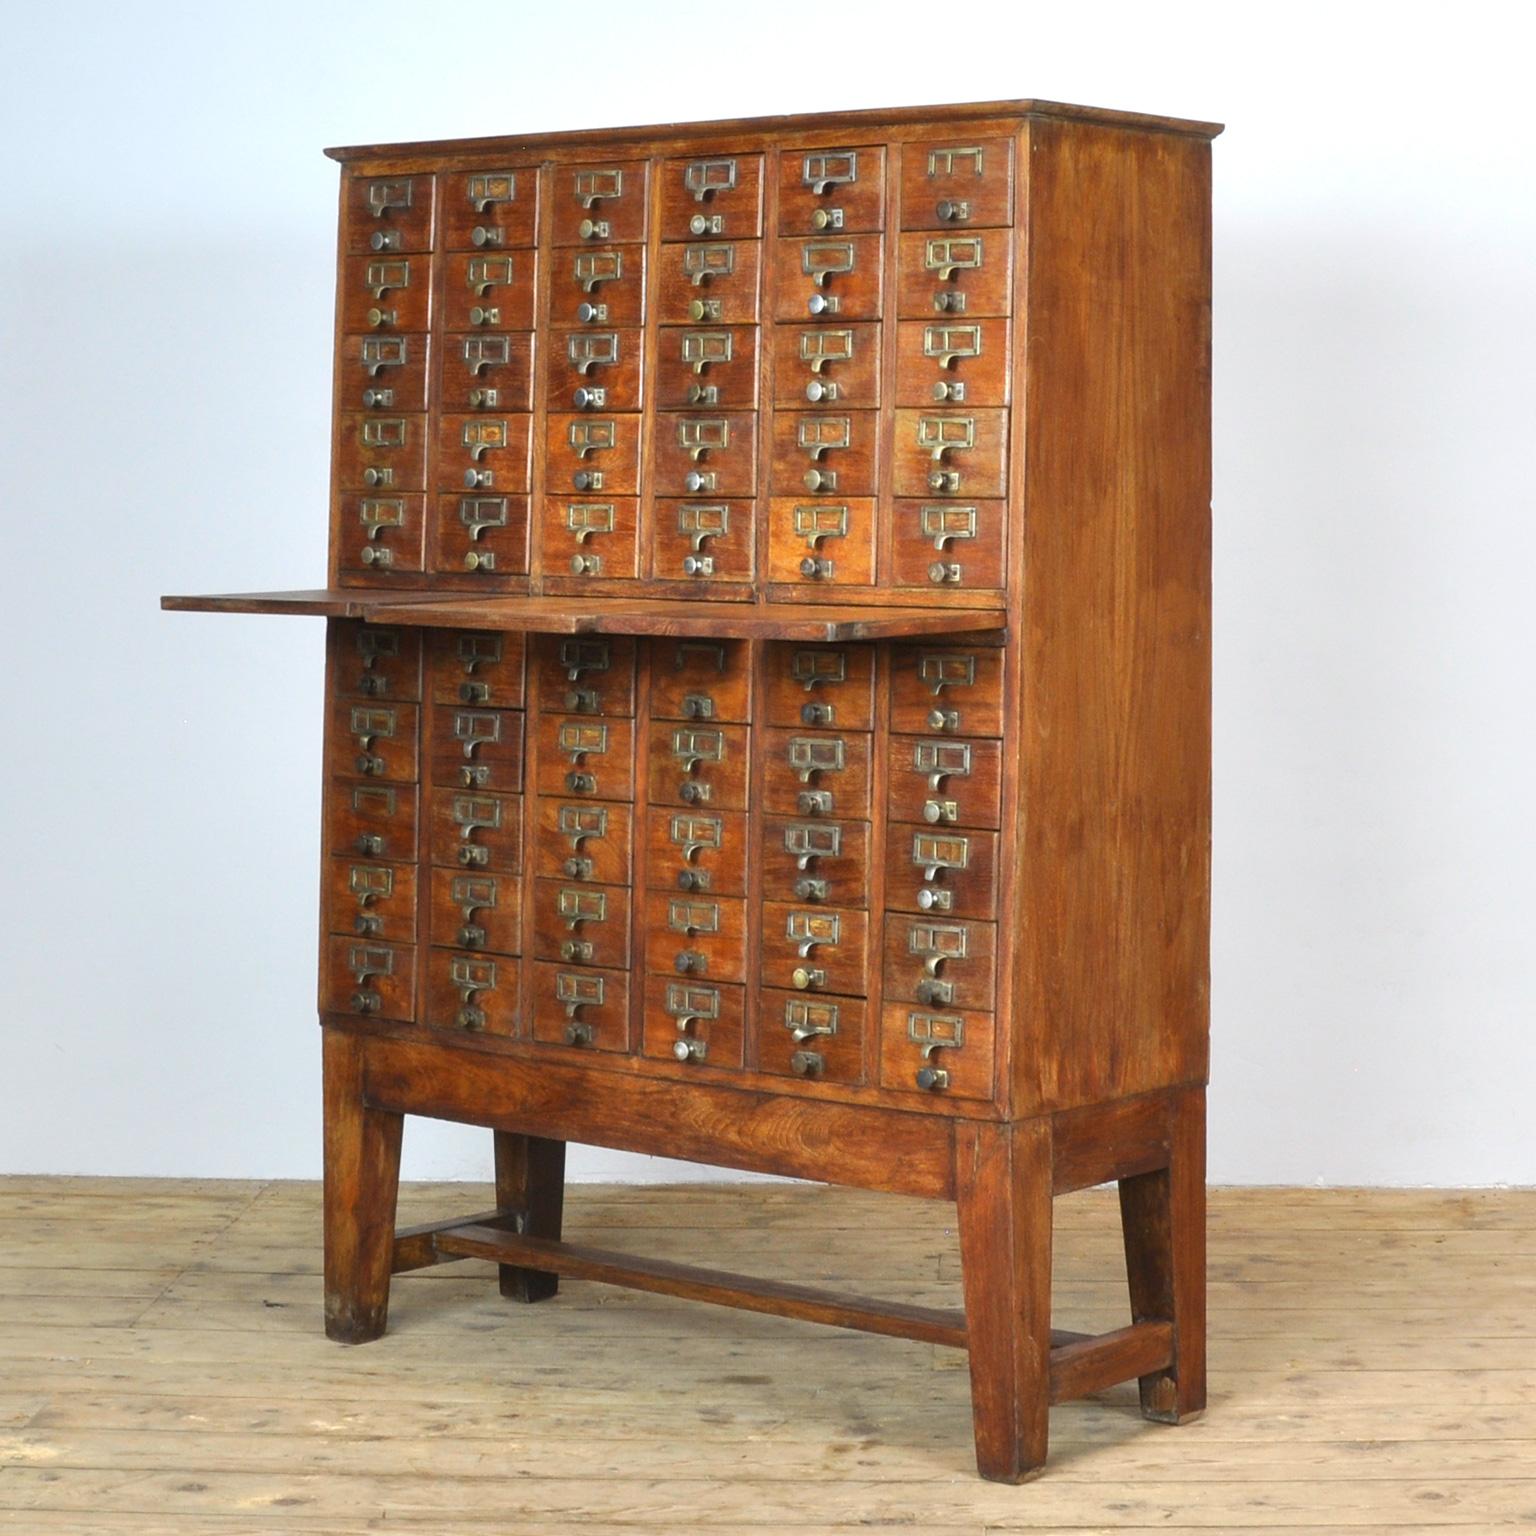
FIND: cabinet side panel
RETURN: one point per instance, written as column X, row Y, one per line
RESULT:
column 1114, row 835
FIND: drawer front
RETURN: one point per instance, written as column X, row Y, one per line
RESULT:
column 816, row 773
column 702, row 767
column 476, row 748
column 369, row 979
column 472, row 991
column 821, row 365
column 581, row 841
column 829, row 541
column 949, row 873
column 713, row 198
column 386, row 293
column 955, row 544
column 603, row 201
column 373, row 821
column 710, row 282
column 492, row 208
column 953, row 362
column 957, row 184
column 385, row 214
column 816, row 863
column 815, row 949
column 387, row 454
column 374, row 661
column 690, row 1021
column 823, row 190
column 697, row 851
column 707, row 366
column 584, row 675
column 593, row 455
column 811, row 1037
column 954, row 276
column 951, row 690
column 373, row 740
column 480, row 534
column 940, row 962
column 578, row 924
column 587, row 758
column 698, row 455
column 580, row 1006
column 943, row 1053
column 603, row 287
column 371, row 899
column 487, row 371
column 475, row 667
column 820, row 685
column 474, row 910
column 476, row 832
column 595, row 370
column 705, row 540
column 701, row 680
column 484, row 453
column 945, row 782
column 827, row 455
column 379, row 537
column 952, row 454
column 384, row 373
column 828, row 278
column 490, row 291
column 595, row 537
column 696, row 936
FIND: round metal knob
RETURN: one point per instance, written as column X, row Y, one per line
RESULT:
column 373, row 555
column 818, row 304
column 815, row 480
column 696, row 565
column 474, row 478
column 378, row 317
column 479, row 397
column 577, row 1033
column 698, row 224
column 950, row 211
column 929, row 1078
column 377, row 396
column 365, row 1002
column 590, row 229
column 689, row 880
column 587, row 313
column 577, row 869
column 689, row 1050
column 385, row 240
column 480, row 315
column 581, row 783
column 699, row 309
column 582, row 397
column 370, row 844
column 817, row 390
column 810, row 567
column 927, row 899
column 691, row 792
column 804, row 977
column 694, row 481
column 585, row 565
column 823, row 218
column 475, row 560
column 584, row 480
column 485, row 235
column 373, row 476
column 930, row 991
column 933, row 812
column 687, row 962
column 807, row 1063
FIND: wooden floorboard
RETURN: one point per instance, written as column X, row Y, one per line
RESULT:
column 162, row 1369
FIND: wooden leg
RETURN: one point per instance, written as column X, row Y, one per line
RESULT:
column 362, row 1180
column 530, row 1176
column 1163, row 1214
column 1003, row 1186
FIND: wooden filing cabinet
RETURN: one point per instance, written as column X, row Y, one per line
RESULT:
column 768, row 699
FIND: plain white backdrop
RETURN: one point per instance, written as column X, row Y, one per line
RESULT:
column 166, row 267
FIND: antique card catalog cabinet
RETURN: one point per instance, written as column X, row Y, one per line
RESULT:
column 768, row 700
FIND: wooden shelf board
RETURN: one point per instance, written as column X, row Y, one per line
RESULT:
column 327, row 602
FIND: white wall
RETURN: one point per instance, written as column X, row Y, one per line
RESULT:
column 166, row 228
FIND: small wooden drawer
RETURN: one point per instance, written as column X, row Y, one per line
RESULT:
column 579, row 840
column 816, row 863
column 369, row 979
column 389, row 213
column 380, row 538
column 475, row 831
column 383, row 373
column 940, row 962
column 371, row 899
column 820, row 685
column 943, row 782
column 472, row 991
column 584, row 674
column 824, row 190
column 948, row 545
column 815, row 949
column 940, row 870
column 483, row 452
column 475, row 748
column 595, row 370
column 961, row 362
column 481, row 668
column 826, row 454
column 704, row 541
column 705, row 455
column 603, row 287
column 816, row 366
column 828, row 278
column 816, row 773
column 373, row 740
column 717, row 198
column 487, row 371
column 959, row 454
column 955, row 690
column 707, row 367
column 475, row 534
column 593, row 455
column 701, row 679
column 946, row 1053
column 954, row 276
column 701, row 766
column 957, row 185
column 800, row 1035
column 386, row 293
column 710, row 282
column 691, row 934
column 374, row 821
column 490, row 291
column 579, row 924
column 586, row 757
column 687, row 1020
column 490, row 208
column 375, row 661
column 474, row 910
column 599, row 202
column 596, row 537
column 702, row 852
column 387, row 454
column 580, row 1006
column 829, row 542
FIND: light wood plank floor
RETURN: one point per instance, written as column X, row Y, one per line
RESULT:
column 162, row 1369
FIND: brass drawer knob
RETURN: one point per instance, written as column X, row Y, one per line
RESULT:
column 806, row 977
